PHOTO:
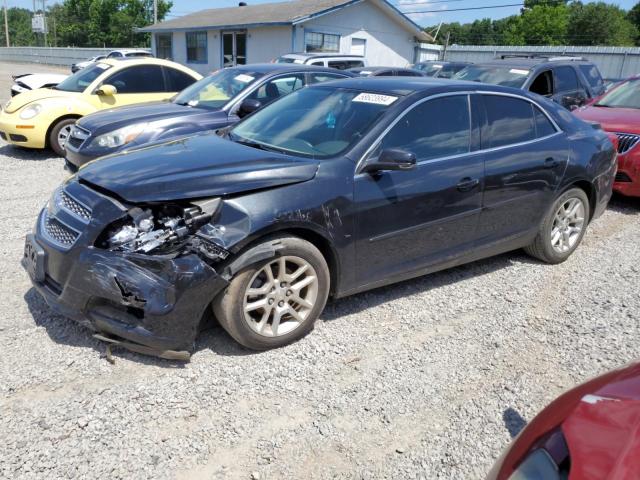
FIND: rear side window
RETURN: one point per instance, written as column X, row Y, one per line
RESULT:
column 510, row 121
column 544, row 127
column 344, row 64
column 177, row 80
column 450, row 135
column 323, row 77
column 566, row 79
column 138, row 79
column 592, row 75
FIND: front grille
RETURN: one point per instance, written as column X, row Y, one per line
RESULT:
column 70, row 204
column 78, row 136
column 58, row 232
column 626, row 141
column 623, row 177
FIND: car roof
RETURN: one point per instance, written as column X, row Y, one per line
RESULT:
column 129, row 50
column 319, row 54
column 532, row 62
column 142, row 61
column 266, row 68
column 438, row 62
column 409, row 85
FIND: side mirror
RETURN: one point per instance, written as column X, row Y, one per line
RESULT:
column 107, row 91
column 391, row 159
column 248, row 106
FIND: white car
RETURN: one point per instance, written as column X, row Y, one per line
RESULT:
column 33, row 81
column 127, row 52
column 80, row 65
column 332, row 60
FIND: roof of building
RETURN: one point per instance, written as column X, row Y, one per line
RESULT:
column 290, row 12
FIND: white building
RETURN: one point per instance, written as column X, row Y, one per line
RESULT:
column 222, row 37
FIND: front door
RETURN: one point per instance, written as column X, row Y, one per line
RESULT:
column 407, row 220
column 134, row 84
column 234, row 49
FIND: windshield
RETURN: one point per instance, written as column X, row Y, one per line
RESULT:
column 626, row 95
column 316, row 122
column 287, row 60
column 429, row 68
column 217, row 89
column 505, row 76
column 80, row 80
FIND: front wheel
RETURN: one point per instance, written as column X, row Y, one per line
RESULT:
column 275, row 302
column 60, row 134
column 563, row 228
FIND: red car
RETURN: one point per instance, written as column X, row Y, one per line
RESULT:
column 618, row 111
column 589, row 433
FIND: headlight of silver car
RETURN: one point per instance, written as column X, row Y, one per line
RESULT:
column 30, row 111
column 119, row 137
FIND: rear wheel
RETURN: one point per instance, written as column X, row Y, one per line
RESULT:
column 563, row 228
column 276, row 301
column 60, row 134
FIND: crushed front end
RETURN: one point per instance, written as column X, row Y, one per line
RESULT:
column 138, row 276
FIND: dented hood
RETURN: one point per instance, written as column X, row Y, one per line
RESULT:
column 194, row 167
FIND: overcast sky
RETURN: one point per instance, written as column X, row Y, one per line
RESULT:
column 181, row 7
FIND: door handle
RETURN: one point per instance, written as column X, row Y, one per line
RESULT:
column 467, row 184
column 551, row 163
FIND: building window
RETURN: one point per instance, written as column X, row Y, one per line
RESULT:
column 164, row 49
column 197, row 47
column 321, row 42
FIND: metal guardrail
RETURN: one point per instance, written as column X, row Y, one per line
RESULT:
column 50, row 55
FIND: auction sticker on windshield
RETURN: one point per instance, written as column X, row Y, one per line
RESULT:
column 517, row 71
column 244, row 78
column 375, row 98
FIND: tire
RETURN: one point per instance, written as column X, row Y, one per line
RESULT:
column 57, row 131
column 557, row 237
column 251, row 305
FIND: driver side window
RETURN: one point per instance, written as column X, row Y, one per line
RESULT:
column 543, row 84
column 435, row 129
column 138, row 79
column 277, row 87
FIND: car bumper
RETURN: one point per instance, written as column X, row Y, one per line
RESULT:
column 24, row 133
column 145, row 300
column 628, row 176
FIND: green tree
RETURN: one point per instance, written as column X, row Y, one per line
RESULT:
column 20, row 33
column 599, row 24
column 544, row 25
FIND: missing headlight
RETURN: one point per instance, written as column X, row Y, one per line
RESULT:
column 162, row 229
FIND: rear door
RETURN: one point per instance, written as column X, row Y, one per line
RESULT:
column 525, row 158
column 409, row 219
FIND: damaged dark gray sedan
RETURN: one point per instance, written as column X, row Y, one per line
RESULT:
column 335, row 189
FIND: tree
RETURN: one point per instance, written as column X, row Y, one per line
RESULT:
column 544, row 25
column 599, row 24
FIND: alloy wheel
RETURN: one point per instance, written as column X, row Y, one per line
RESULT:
column 63, row 135
column 568, row 224
column 280, row 296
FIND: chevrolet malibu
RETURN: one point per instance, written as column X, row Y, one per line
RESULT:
column 334, row 189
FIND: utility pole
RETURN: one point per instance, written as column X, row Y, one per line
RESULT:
column 44, row 21
column 155, row 11
column 6, row 22
column 446, row 45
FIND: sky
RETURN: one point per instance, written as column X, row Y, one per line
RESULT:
column 443, row 8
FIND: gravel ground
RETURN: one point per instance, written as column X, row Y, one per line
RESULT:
column 425, row 379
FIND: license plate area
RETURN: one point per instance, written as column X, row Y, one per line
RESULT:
column 33, row 259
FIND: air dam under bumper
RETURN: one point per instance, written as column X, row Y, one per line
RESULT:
column 157, row 302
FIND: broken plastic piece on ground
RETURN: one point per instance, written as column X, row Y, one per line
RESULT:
column 182, row 355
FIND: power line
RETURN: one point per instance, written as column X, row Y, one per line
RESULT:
column 465, row 9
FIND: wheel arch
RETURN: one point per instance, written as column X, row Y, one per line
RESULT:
column 590, row 190
column 47, row 142
column 321, row 241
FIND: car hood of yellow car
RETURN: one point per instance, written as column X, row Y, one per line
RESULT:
column 25, row 98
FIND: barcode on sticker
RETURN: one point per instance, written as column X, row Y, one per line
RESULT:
column 375, row 98
column 517, row 71
column 244, row 78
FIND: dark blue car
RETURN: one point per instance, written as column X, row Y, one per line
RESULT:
column 334, row 189
column 216, row 101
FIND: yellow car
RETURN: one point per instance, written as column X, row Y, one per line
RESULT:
column 44, row 117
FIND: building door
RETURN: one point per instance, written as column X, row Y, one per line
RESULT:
column 234, row 49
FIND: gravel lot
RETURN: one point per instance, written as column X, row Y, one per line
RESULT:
column 426, row 379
